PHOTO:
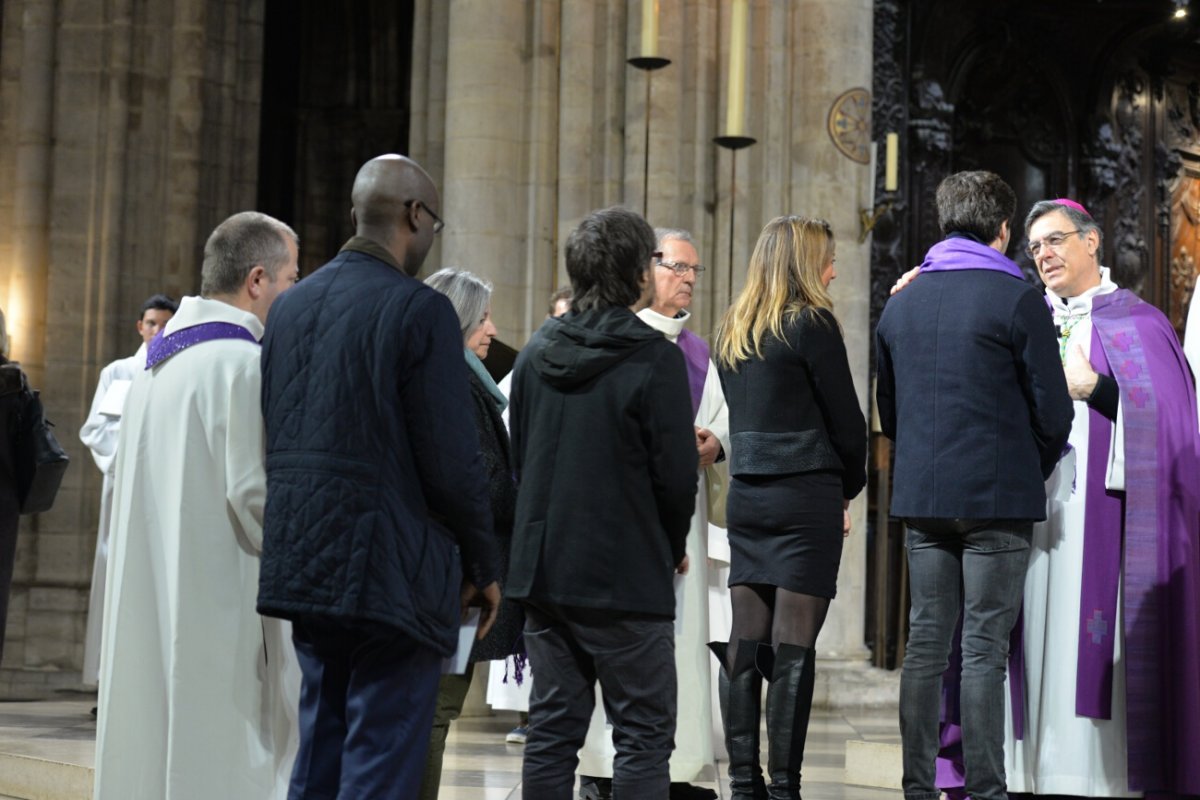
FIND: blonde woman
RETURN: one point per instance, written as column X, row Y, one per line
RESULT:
column 798, row 453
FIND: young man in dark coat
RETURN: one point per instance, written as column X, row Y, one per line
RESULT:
column 971, row 389
column 603, row 442
column 377, row 503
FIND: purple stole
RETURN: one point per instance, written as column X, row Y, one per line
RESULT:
column 950, row 255
column 163, row 347
column 695, row 355
column 1154, row 527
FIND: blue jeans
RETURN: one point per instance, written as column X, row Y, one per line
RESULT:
column 976, row 568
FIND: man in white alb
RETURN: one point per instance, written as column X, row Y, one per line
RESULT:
column 99, row 434
column 198, row 693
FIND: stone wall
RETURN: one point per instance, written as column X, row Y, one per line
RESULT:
column 127, row 131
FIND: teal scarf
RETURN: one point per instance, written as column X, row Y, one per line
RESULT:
column 481, row 372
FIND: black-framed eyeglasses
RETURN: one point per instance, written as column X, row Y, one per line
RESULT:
column 437, row 221
column 678, row 267
column 1053, row 239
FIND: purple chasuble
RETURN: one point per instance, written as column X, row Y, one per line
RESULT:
column 1160, row 548
column 695, row 355
column 163, row 347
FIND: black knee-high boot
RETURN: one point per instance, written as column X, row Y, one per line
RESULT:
column 789, row 703
column 740, row 695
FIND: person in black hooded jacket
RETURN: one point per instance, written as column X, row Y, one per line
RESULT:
column 605, row 452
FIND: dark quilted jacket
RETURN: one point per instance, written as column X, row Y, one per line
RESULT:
column 373, row 468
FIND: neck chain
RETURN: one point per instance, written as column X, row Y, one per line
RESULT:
column 1064, row 323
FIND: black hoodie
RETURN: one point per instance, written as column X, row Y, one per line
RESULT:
column 605, row 450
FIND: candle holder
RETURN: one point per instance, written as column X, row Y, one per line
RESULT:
column 647, row 64
column 733, row 144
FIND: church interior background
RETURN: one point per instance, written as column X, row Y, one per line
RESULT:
column 130, row 128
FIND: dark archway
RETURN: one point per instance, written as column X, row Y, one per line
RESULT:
column 335, row 92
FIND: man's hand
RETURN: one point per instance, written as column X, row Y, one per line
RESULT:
column 708, row 446
column 905, row 280
column 1081, row 378
column 682, row 567
column 845, row 518
column 488, row 599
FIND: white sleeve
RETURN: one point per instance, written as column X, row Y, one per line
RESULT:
column 101, row 431
column 1114, row 480
column 245, row 455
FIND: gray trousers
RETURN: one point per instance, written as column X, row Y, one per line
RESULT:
column 633, row 657
column 976, row 568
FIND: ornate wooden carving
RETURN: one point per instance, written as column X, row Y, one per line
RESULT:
column 889, row 113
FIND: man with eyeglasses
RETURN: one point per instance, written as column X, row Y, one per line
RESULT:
column 377, row 526
column 1110, row 677
column 677, row 269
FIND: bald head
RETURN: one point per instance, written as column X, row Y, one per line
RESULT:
column 394, row 203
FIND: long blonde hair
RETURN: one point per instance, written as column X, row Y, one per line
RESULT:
column 782, row 281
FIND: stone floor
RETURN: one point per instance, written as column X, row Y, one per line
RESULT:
column 47, row 750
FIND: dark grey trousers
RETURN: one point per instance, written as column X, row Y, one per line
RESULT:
column 976, row 567
column 633, row 657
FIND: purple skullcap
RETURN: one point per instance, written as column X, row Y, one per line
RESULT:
column 1065, row 201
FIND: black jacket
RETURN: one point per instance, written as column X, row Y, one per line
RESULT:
column 373, row 466
column 971, row 389
column 795, row 409
column 606, row 455
column 496, row 452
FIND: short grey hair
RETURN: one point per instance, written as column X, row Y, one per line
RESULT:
column 663, row 235
column 1080, row 219
column 239, row 244
column 469, row 294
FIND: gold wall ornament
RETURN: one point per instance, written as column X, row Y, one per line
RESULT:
column 850, row 125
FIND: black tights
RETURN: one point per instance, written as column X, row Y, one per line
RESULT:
column 763, row 613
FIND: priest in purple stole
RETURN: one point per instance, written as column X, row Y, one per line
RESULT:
column 1110, row 669
column 198, row 693
column 676, row 272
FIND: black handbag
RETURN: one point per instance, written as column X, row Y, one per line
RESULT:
column 39, row 461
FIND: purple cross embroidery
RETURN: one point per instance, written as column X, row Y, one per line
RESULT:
column 1131, row 370
column 1097, row 627
column 1139, row 396
column 1122, row 341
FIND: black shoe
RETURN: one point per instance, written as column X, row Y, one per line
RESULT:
column 686, row 791
column 595, row 788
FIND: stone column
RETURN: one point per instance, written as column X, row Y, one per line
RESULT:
column 129, row 131
column 832, row 54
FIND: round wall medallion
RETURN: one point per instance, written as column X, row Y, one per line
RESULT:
column 850, row 125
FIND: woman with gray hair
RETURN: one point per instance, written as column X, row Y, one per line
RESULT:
column 471, row 297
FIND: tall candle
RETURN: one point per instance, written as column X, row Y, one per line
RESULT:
column 735, row 106
column 649, row 28
column 891, row 170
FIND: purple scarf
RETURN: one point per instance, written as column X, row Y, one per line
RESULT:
column 954, row 254
column 695, row 354
column 163, row 347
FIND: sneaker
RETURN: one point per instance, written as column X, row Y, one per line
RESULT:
column 517, row 735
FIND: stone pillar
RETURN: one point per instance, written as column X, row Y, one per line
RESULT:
column 500, row 143
column 832, row 54
column 128, row 131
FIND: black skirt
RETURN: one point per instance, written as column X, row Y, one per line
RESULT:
column 786, row 531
